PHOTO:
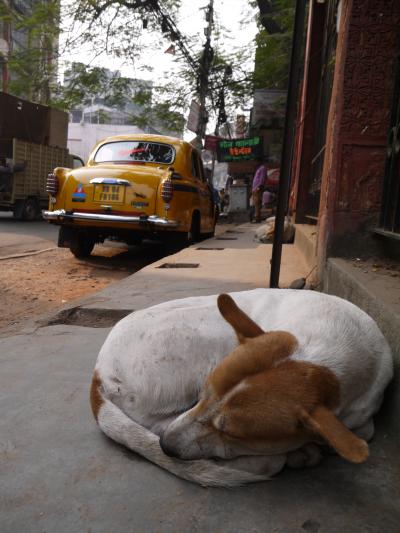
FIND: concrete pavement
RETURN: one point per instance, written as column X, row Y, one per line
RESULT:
column 229, row 262
column 60, row 474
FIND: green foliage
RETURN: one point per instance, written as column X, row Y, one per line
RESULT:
column 273, row 49
column 33, row 69
column 161, row 113
column 85, row 83
column 272, row 60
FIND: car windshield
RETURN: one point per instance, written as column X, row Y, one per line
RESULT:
column 127, row 151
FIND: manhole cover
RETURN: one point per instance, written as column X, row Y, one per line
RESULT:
column 179, row 265
column 89, row 318
column 205, row 248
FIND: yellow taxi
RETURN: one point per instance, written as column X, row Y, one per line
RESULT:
column 133, row 187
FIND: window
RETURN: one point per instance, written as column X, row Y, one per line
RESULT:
column 130, row 151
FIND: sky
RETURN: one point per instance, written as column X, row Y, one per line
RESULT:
column 192, row 23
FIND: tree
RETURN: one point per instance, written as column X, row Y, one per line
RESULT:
column 274, row 42
column 123, row 21
column 33, row 67
column 81, row 83
column 114, row 26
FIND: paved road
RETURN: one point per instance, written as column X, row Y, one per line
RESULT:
column 17, row 236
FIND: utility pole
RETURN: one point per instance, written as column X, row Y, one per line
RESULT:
column 221, row 119
column 288, row 140
column 202, row 67
column 204, row 72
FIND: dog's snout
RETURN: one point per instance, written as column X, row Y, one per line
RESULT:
column 167, row 449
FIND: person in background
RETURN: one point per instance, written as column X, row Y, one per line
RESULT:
column 257, row 188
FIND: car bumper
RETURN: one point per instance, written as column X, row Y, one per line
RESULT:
column 61, row 215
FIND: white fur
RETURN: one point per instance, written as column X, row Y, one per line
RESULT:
column 154, row 363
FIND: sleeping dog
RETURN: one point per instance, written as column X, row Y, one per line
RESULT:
column 227, row 390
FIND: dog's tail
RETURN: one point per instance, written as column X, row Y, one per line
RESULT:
column 124, row 430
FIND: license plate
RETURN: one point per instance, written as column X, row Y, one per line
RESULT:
column 113, row 194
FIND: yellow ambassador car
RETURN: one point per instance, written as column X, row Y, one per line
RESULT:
column 133, row 187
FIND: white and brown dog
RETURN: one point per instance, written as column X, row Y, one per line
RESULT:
column 309, row 369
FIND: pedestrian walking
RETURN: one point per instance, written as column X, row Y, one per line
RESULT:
column 257, row 188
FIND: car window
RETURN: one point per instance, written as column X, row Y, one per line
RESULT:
column 197, row 167
column 128, row 151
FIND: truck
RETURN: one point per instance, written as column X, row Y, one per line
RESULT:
column 24, row 167
column 33, row 141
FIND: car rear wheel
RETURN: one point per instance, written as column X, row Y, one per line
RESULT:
column 81, row 245
column 194, row 233
column 175, row 241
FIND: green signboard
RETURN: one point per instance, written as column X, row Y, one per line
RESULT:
column 229, row 150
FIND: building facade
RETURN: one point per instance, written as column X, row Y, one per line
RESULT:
column 345, row 170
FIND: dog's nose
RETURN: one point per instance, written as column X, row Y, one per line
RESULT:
column 167, row 449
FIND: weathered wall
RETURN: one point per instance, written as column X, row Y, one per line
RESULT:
column 358, row 125
column 305, row 127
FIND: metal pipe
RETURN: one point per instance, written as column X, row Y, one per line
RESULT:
column 288, row 140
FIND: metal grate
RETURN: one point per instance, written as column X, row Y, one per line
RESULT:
column 209, row 248
column 179, row 265
column 226, row 239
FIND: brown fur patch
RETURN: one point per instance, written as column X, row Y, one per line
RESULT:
column 323, row 422
column 244, row 326
column 267, row 406
column 255, row 356
column 96, row 399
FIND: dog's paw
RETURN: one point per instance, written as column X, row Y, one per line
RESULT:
column 308, row 455
column 258, row 464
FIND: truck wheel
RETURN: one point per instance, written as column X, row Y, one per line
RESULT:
column 27, row 209
column 81, row 245
column 18, row 209
column 30, row 210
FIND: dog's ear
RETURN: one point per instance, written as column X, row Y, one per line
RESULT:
column 243, row 325
column 323, row 422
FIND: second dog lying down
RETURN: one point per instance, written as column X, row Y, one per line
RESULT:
column 303, row 368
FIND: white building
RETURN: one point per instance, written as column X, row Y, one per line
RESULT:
column 82, row 137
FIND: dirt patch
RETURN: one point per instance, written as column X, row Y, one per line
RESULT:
column 43, row 284
column 380, row 266
column 39, row 285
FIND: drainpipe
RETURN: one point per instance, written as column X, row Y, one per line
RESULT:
column 288, row 140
